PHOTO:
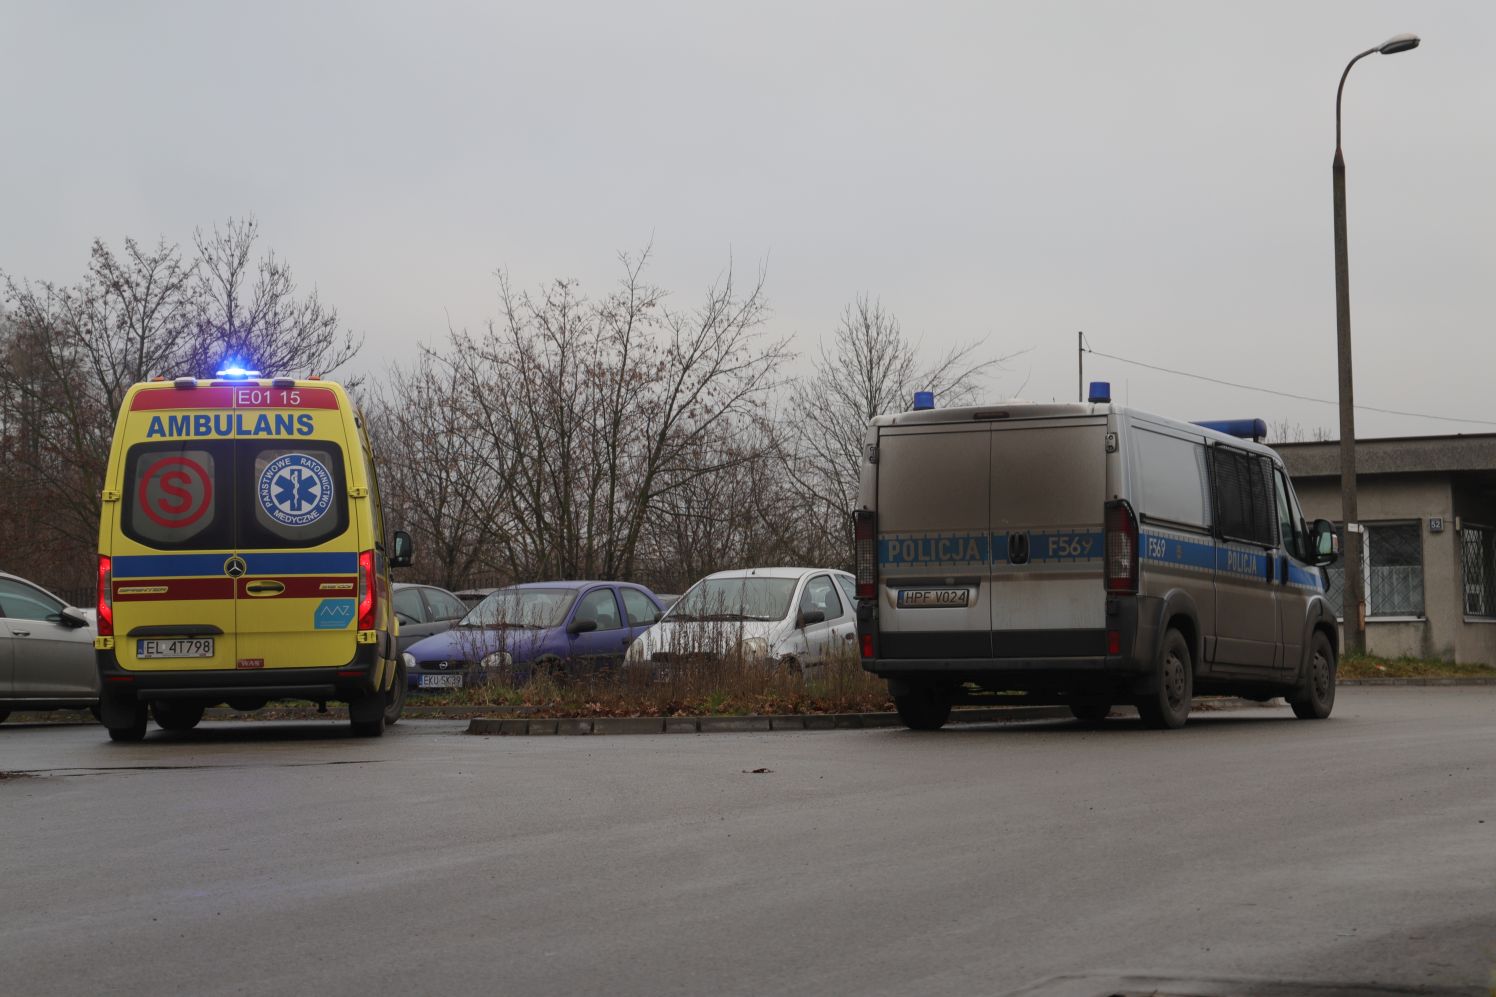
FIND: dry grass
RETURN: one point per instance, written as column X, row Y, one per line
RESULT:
column 1372, row 667
column 730, row 686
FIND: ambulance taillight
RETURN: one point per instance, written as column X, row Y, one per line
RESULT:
column 864, row 533
column 106, row 596
column 1121, row 549
column 366, row 591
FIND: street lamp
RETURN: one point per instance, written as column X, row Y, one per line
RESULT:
column 1353, row 600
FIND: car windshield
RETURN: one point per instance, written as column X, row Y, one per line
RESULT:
column 533, row 608
column 735, row 599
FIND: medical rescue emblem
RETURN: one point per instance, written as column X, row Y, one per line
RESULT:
column 295, row 490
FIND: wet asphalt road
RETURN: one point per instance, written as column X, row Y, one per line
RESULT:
column 290, row 858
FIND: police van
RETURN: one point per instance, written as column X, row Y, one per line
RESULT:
column 242, row 556
column 1090, row 555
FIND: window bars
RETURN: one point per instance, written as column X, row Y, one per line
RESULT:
column 1392, row 570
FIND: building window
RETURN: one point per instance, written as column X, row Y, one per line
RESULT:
column 1391, row 570
column 1478, row 556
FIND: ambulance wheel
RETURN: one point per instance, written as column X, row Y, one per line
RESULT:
column 923, row 707
column 1315, row 696
column 176, row 716
column 1090, row 713
column 135, row 731
column 1168, row 704
column 366, row 714
column 394, row 700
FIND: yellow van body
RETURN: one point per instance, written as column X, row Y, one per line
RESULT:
column 242, row 556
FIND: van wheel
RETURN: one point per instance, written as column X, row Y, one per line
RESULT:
column 394, row 700
column 1090, row 714
column 176, row 716
column 134, row 731
column 1168, row 704
column 1315, row 696
column 924, row 707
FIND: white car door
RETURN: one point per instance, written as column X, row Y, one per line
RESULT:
column 819, row 597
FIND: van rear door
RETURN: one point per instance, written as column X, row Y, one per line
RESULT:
column 170, row 553
column 297, row 600
column 1047, row 510
column 933, row 541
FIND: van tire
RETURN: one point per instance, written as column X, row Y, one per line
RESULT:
column 394, row 700
column 1167, row 704
column 133, row 732
column 175, row 715
column 1090, row 713
column 923, row 707
column 1314, row 697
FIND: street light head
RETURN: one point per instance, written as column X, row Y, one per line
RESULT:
column 1399, row 43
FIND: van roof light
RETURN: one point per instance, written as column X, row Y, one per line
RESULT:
column 1245, row 429
column 185, row 382
column 924, row 401
column 236, row 372
column 1101, row 391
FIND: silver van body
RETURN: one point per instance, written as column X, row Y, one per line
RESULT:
column 1053, row 550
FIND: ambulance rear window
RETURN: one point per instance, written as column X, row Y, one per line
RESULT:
column 291, row 494
column 179, row 494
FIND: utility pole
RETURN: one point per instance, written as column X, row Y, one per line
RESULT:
column 1080, row 366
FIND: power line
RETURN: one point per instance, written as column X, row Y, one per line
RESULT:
column 1286, row 394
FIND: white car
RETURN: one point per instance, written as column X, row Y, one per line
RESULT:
column 46, row 651
column 791, row 615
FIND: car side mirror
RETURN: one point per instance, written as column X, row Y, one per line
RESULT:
column 581, row 627
column 70, row 617
column 400, row 557
column 1326, row 543
column 810, row 616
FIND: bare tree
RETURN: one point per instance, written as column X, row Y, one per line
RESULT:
column 869, row 367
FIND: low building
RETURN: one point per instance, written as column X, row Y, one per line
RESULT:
column 1428, row 506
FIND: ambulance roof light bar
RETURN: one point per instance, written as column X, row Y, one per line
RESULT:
column 1243, row 429
column 237, row 373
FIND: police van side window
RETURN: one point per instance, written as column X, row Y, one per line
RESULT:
column 1290, row 524
column 1244, row 504
column 179, row 495
column 297, row 492
column 1174, row 484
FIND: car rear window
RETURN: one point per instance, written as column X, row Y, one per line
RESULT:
column 234, row 494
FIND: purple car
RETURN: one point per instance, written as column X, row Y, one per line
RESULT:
column 571, row 624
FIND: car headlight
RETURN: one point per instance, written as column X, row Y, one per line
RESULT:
column 751, row 647
column 498, row 659
column 410, row 661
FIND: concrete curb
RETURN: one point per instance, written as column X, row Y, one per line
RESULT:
column 1421, row 680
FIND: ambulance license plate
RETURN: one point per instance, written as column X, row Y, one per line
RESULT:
column 934, row 598
column 186, row 647
column 441, row 681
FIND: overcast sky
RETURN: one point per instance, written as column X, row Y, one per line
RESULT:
column 1155, row 174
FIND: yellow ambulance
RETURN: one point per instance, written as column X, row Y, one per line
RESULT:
column 242, row 556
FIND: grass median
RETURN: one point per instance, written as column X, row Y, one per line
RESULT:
column 1370, row 666
column 724, row 687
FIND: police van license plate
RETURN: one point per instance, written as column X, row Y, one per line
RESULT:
column 187, row 647
column 441, row 681
column 934, row 598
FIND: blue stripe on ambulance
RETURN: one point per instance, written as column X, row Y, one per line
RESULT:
column 189, row 565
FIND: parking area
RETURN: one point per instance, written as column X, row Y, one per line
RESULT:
column 290, row 857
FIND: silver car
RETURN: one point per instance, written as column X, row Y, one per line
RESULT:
column 46, row 651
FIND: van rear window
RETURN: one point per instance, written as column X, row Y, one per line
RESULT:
column 179, row 495
column 234, row 494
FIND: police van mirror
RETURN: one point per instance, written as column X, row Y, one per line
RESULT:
column 811, row 616
column 400, row 558
column 1326, row 543
column 581, row 627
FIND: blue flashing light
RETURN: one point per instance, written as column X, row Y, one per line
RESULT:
column 1242, row 429
column 235, row 372
column 924, row 400
column 1101, row 391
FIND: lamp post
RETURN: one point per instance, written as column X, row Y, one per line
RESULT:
column 1353, row 600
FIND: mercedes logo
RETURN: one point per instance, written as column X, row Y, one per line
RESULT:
column 235, row 566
